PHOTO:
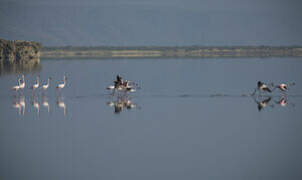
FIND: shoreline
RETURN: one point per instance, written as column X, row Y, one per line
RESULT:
column 103, row 52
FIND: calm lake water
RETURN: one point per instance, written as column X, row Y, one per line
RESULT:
column 192, row 119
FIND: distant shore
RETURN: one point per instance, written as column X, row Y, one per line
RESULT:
column 170, row 52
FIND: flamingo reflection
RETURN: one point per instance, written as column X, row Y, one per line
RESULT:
column 61, row 104
column 19, row 103
column 283, row 102
column 17, row 106
column 36, row 105
column 263, row 103
column 121, row 103
column 45, row 102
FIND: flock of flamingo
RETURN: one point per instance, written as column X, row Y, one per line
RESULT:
column 122, row 101
column 263, row 87
column 20, row 102
column 124, row 86
column 269, row 88
column 21, row 84
column 120, row 85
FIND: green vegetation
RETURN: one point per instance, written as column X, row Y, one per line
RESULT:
column 170, row 52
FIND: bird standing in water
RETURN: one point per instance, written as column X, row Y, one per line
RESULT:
column 62, row 85
column 117, row 84
column 17, row 87
column 36, row 86
column 45, row 86
column 22, row 85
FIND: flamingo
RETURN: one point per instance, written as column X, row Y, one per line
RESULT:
column 117, row 84
column 111, row 87
column 35, row 86
column 45, row 86
column 128, row 87
column 262, row 87
column 62, row 85
column 121, row 85
column 283, row 87
column 22, row 85
column 17, row 87
column 119, row 79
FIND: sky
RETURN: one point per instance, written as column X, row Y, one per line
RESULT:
column 155, row 23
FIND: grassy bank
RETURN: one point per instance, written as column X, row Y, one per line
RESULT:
column 170, row 52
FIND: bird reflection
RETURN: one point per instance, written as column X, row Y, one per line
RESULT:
column 22, row 103
column 61, row 104
column 19, row 104
column 263, row 103
column 36, row 105
column 269, row 102
column 120, row 103
column 45, row 102
column 283, row 102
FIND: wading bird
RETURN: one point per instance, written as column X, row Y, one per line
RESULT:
column 127, row 87
column 36, row 86
column 17, row 87
column 123, row 86
column 45, row 86
column 62, row 85
column 118, row 83
column 22, row 85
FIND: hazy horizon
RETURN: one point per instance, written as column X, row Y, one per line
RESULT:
column 156, row 23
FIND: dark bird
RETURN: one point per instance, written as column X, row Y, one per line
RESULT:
column 263, row 87
column 119, row 79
